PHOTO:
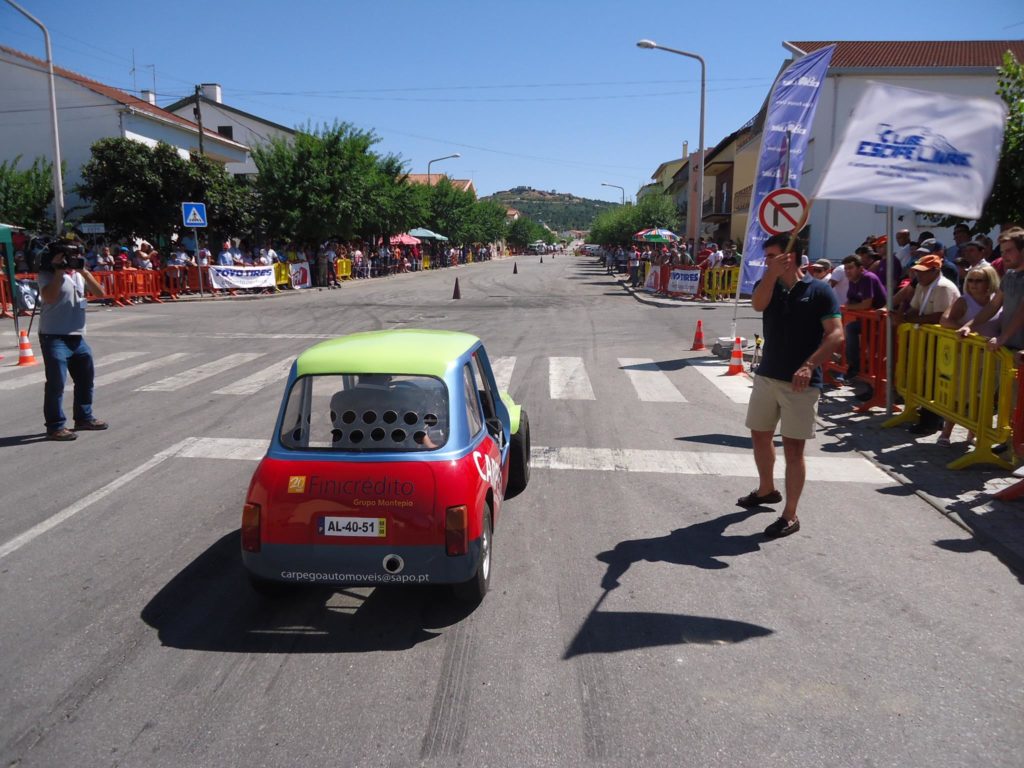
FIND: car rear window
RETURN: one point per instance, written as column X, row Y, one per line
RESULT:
column 366, row 412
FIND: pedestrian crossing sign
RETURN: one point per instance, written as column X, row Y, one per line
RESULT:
column 193, row 214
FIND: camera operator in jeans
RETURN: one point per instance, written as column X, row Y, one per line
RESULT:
column 63, row 283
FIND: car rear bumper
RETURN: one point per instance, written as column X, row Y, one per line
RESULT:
column 362, row 566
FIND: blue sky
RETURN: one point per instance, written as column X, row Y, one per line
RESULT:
column 553, row 95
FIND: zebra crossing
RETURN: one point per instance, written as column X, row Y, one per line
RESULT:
column 247, row 373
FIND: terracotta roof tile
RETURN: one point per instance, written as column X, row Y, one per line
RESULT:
column 117, row 95
column 916, row 53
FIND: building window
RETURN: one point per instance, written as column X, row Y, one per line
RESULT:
column 227, row 131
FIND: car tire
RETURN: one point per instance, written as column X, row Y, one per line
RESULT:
column 519, row 458
column 473, row 591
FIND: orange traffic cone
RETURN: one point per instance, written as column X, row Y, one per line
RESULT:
column 25, row 356
column 698, row 338
column 456, row 294
column 515, row 268
column 736, row 361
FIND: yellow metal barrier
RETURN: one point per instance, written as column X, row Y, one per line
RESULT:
column 426, row 261
column 961, row 381
column 282, row 276
column 720, row 283
column 343, row 269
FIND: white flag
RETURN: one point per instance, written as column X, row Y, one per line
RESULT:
column 933, row 152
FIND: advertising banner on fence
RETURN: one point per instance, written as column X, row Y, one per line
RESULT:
column 300, row 274
column 233, row 278
column 928, row 151
column 684, row 281
column 787, row 130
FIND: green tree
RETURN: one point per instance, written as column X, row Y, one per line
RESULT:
column 487, row 222
column 26, row 195
column 393, row 205
column 450, row 211
column 315, row 186
column 1006, row 203
column 617, row 226
column 525, row 230
column 137, row 191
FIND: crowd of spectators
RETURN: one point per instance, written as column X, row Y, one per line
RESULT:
column 972, row 286
column 634, row 259
column 366, row 259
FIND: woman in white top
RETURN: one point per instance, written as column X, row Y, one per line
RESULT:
column 980, row 285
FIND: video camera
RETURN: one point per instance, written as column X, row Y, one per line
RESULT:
column 74, row 256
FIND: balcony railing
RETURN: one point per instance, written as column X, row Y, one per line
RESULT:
column 741, row 202
column 709, row 208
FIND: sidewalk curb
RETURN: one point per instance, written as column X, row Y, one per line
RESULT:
column 642, row 297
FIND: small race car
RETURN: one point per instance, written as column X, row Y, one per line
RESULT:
column 390, row 462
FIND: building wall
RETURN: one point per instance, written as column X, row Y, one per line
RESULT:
column 245, row 131
column 83, row 117
column 744, row 170
column 837, row 227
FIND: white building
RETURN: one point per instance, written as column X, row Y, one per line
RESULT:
column 966, row 68
column 87, row 111
column 231, row 123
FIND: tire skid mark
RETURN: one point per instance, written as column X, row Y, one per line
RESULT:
column 595, row 686
column 449, row 722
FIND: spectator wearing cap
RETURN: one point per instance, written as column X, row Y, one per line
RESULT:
column 865, row 292
column 820, row 269
column 932, row 297
column 971, row 256
column 936, row 248
column 871, row 261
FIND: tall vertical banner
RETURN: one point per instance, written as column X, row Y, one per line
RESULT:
column 932, row 152
column 787, row 130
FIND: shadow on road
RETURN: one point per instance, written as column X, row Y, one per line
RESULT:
column 699, row 545
column 613, row 631
column 15, row 440
column 732, row 441
column 209, row 606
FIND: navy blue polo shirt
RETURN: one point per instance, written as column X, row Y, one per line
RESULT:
column 793, row 329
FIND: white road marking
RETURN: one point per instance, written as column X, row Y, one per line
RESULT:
column 250, row 385
column 70, row 511
column 224, row 448
column 819, row 468
column 502, row 368
column 651, row 383
column 737, row 388
column 205, row 371
column 39, row 375
column 135, row 370
column 846, row 469
column 568, row 379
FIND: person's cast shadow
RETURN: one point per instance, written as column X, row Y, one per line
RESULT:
column 700, row 545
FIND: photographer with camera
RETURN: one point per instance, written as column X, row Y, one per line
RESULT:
column 63, row 282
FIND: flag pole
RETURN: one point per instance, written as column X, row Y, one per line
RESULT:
column 890, row 280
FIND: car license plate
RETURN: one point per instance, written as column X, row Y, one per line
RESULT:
column 373, row 527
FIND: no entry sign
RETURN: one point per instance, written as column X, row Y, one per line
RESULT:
column 781, row 211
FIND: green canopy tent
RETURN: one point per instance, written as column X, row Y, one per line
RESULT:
column 421, row 232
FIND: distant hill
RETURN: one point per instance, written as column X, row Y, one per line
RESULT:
column 558, row 210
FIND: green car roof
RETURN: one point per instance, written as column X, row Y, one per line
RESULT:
column 426, row 353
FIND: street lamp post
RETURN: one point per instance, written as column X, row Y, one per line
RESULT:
column 438, row 159
column 703, row 81
column 58, row 182
column 621, row 189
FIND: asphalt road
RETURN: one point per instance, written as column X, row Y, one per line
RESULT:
column 637, row 617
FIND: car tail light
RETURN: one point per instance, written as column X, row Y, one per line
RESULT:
column 251, row 527
column 456, row 533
